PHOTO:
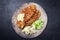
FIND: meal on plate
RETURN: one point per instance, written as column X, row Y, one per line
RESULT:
column 28, row 20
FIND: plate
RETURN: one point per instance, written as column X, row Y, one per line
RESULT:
column 18, row 30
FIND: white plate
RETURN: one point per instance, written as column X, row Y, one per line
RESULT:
column 18, row 30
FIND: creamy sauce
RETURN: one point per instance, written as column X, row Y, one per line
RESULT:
column 20, row 17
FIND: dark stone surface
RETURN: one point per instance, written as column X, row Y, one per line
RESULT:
column 52, row 8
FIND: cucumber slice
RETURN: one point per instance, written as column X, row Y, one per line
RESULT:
column 38, row 24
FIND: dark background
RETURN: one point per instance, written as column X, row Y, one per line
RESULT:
column 8, row 7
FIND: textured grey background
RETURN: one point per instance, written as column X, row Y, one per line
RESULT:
column 52, row 8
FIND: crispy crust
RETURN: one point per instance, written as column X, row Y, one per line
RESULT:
column 29, row 12
column 32, row 19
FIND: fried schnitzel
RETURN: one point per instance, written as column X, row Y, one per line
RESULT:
column 31, row 14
